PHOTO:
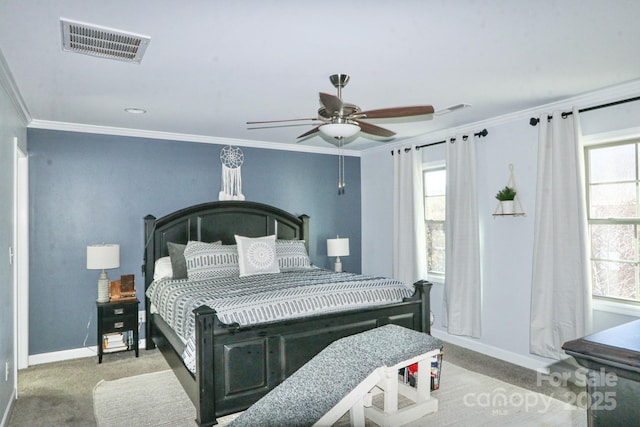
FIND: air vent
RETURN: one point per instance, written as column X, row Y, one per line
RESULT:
column 103, row 42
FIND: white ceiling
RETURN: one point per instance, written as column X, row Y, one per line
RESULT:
column 212, row 65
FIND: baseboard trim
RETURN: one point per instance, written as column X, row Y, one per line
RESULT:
column 7, row 411
column 76, row 353
column 530, row 362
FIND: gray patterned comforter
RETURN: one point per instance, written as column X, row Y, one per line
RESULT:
column 267, row 298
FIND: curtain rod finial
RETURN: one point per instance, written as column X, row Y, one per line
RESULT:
column 534, row 121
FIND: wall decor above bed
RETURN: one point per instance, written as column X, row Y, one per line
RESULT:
column 232, row 159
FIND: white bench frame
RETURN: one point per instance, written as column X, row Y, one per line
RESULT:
column 385, row 380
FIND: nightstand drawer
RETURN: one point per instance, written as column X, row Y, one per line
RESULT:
column 119, row 324
column 118, row 310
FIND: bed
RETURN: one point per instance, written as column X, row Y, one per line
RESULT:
column 235, row 365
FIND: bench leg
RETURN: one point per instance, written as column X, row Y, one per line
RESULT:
column 356, row 414
column 390, row 387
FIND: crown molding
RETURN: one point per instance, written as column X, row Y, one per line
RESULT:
column 601, row 96
column 586, row 100
column 183, row 137
column 9, row 84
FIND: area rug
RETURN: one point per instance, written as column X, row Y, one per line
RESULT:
column 464, row 398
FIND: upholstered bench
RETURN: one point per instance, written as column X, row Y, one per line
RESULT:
column 344, row 376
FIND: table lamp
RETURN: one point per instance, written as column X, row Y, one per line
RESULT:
column 103, row 257
column 338, row 247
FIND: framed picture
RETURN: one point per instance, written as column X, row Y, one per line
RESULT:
column 123, row 289
column 127, row 286
column 114, row 290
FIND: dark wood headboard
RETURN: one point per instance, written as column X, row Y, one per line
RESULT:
column 213, row 221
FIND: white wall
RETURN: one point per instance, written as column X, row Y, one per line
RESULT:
column 12, row 125
column 506, row 242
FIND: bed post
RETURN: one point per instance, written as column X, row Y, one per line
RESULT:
column 147, row 270
column 206, row 402
column 305, row 230
column 424, row 288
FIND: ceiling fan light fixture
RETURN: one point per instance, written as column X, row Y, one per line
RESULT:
column 339, row 130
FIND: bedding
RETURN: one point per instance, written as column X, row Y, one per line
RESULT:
column 292, row 254
column 163, row 269
column 211, row 260
column 265, row 298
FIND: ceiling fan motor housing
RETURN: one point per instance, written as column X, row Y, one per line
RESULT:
column 339, row 80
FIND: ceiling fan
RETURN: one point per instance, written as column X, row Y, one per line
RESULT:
column 342, row 120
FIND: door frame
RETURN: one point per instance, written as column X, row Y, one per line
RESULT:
column 21, row 256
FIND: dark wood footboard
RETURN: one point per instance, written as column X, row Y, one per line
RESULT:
column 236, row 366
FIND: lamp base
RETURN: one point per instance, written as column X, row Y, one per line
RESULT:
column 337, row 267
column 103, row 287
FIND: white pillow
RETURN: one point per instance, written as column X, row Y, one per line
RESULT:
column 257, row 255
column 162, row 268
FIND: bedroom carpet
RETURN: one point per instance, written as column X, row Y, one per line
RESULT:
column 465, row 398
column 61, row 393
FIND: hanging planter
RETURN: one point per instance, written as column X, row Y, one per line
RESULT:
column 506, row 197
column 508, row 200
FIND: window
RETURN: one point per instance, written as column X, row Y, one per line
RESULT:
column 613, row 210
column 434, row 184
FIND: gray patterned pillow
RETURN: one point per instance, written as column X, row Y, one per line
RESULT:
column 211, row 260
column 292, row 255
column 257, row 255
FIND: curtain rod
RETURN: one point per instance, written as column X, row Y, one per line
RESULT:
column 483, row 132
column 534, row 121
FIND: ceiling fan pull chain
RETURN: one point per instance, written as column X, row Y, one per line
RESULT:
column 341, row 183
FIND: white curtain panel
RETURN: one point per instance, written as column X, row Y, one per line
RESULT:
column 409, row 241
column 462, row 298
column 561, row 284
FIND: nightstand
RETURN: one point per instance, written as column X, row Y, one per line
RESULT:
column 117, row 327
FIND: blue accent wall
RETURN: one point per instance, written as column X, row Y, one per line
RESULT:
column 88, row 188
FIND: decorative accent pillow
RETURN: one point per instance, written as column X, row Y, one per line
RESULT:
column 162, row 269
column 211, row 260
column 292, row 255
column 257, row 255
column 178, row 264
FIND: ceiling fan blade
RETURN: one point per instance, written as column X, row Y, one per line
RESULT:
column 384, row 113
column 373, row 129
column 310, row 132
column 332, row 103
column 281, row 121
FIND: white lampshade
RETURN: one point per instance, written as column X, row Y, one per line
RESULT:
column 338, row 247
column 339, row 130
column 103, row 257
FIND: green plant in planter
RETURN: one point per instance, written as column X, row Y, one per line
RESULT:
column 507, row 193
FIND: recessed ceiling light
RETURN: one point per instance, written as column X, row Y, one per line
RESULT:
column 135, row 110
